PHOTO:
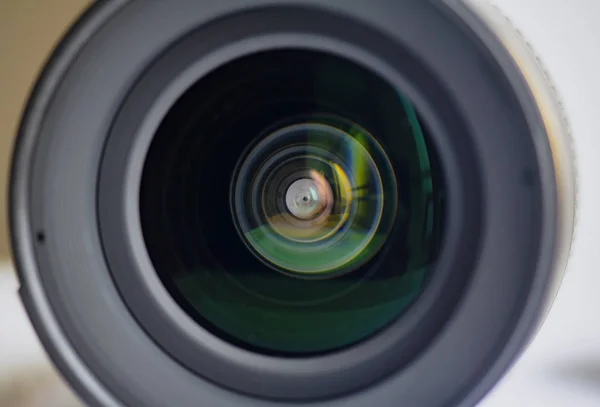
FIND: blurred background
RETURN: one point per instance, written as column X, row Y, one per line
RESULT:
column 562, row 366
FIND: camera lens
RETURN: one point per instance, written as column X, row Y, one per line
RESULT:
column 292, row 202
column 309, row 203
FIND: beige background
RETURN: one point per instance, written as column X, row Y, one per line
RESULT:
column 29, row 29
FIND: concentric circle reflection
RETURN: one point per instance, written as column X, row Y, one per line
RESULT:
column 309, row 197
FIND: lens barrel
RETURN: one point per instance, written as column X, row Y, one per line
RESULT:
column 265, row 203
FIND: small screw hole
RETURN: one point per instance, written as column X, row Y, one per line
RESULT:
column 40, row 236
column 528, row 177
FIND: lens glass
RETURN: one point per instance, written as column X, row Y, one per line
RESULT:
column 292, row 203
column 315, row 198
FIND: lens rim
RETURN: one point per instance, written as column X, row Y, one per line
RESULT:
column 53, row 195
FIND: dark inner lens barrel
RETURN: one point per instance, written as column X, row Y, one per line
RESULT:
column 292, row 204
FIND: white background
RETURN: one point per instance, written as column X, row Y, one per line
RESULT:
column 562, row 366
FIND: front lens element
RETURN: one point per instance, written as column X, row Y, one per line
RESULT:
column 292, row 203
